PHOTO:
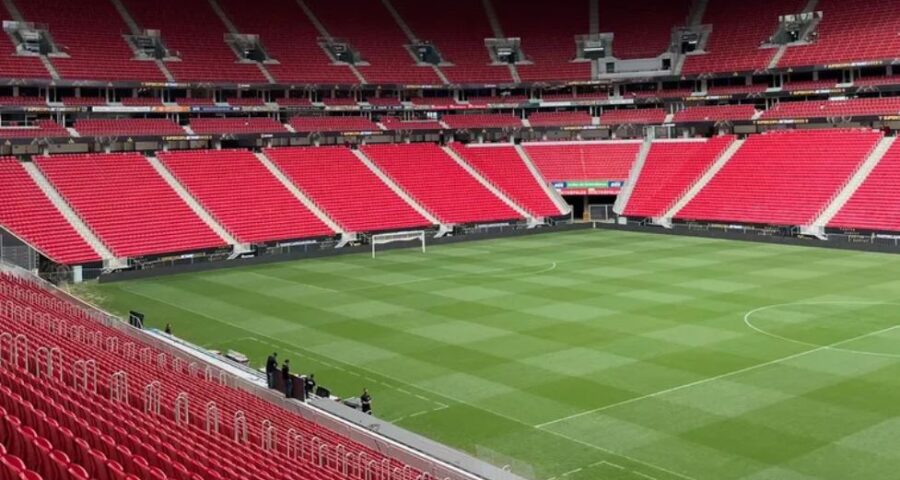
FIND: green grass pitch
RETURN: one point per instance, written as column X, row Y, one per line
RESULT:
column 585, row 355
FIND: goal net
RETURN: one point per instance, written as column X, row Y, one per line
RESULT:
column 385, row 238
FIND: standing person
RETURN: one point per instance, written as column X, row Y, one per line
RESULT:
column 310, row 385
column 366, row 401
column 271, row 368
column 168, row 328
column 286, row 377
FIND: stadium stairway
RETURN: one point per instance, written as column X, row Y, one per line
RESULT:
column 503, row 167
column 136, row 30
column 411, row 36
column 320, row 27
column 443, row 229
column 554, row 195
column 346, row 237
column 109, row 259
column 494, row 21
column 237, row 247
column 692, row 192
column 532, row 221
column 636, row 167
column 846, row 193
column 217, row 9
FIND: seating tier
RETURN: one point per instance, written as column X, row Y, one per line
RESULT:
column 504, row 168
column 346, row 189
column 28, row 213
column 669, row 171
column 439, row 184
column 127, row 204
column 875, row 205
column 782, row 178
column 243, row 196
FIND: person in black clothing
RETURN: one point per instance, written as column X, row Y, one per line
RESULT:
column 271, row 369
column 168, row 329
column 366, row 401
column 286, row 376
column 310, row 385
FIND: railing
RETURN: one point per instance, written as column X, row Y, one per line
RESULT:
column 84, row 378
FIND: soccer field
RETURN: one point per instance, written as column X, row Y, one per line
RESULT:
column 585, row 355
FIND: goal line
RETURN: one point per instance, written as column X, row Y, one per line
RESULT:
column 385, row 238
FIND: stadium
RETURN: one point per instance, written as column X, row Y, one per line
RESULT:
column 460, row 240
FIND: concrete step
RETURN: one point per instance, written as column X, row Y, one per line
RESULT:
column 396, row 188
column 703, row 180
column 84, row 231
column 854, row 182
column 493, row 19
column 698, row 10
column 192, row 202
column 299, row 195
column 558, row 200
column 490, row 186
column 636, row 167
column 126, row 16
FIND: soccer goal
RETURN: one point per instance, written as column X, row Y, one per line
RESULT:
column 385, row 238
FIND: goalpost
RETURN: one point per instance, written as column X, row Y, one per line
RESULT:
column 385, row 238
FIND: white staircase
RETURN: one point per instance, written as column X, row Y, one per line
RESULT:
column 411, row 36
column 126, row 16
column 323, row 32
column 809, row 8
column 265, row 72
column 222, row 16
column 72, row 132
column 493, row 19
column 702, row 181
column 165, row 70
column 109, row 259
column 399, row 191
column 558, row 200
column 773, row 63
column 214, row 4
column 400, row 22
column 491, row 187
column 346, row 237
column 636, row 167
column 195, row 206
column 48, row 64
column 698, row 10
column 514, row 73
column 16, row 15
column 13, row 10
column 853, row 184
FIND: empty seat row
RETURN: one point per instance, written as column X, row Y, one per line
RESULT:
column 503, row 167
column 584, row 161
column 127, row 204
column 793, row 174
column 671, row 168
column 431, row 177
column 341, row 185
column 243, row 196
column 27, row 212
